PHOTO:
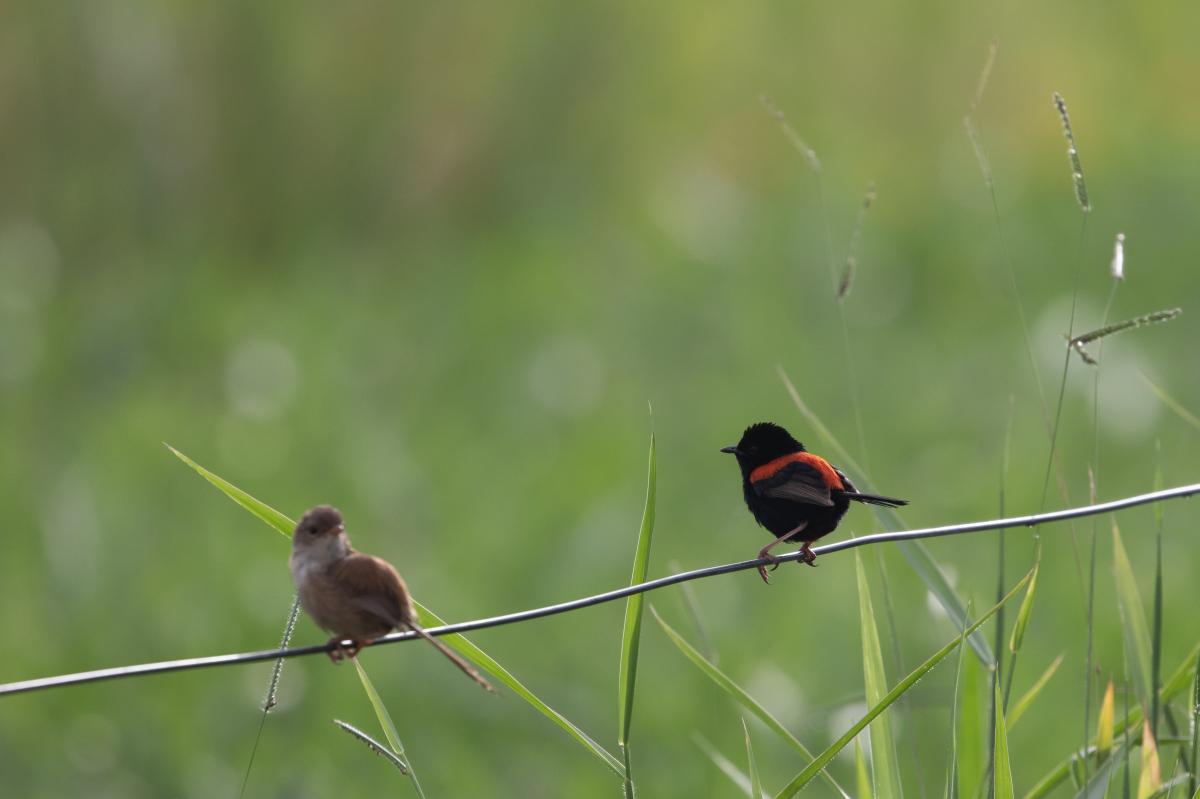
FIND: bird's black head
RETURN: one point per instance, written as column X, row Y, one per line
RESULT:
column 319, row 521
column 763, row 443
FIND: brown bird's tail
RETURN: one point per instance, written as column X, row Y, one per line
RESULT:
column 875, row 499
column 448, row 652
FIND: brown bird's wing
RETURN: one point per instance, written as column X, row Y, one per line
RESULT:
column 798, row 481
column 377, row 587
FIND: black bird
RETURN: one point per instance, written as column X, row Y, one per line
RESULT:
column 795, row 494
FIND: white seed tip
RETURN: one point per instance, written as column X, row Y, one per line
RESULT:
column 1118, row 259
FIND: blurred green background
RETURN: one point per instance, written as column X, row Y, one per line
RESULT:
column 429, row 263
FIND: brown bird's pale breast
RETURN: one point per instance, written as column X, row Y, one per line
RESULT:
column 360, row 597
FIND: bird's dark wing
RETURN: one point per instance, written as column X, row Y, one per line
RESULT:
column 377, row 587
column 870, row 499
column 798, row 481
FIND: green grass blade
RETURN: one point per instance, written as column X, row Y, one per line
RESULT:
column 691, row 605
column 1181, row 678
column 1178, row 682
column 972, row 722
column 380, row 749
column 727, row 766
column 1176, row 406
column 951, row 791
column 806, row 776
column 1168, row 787
column 1156, row 624
column 263, row 511
column 862, row 774
column 1104, row 726
column 914, row 552
column 1133, row 619
column 885, row 768
column 386, row 723
column 1150, row 779
column 632, row 633
column 428, row 618
column 1018, row 633
column 1026, row 701
column 483, row 660
column 1002, row 781
column 1097, row 784
column 739, row 694
column 381, row 711
column 1126, row 789
column 752, row 766
column 1193, row 787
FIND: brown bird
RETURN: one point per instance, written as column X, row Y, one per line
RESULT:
column 355, row 596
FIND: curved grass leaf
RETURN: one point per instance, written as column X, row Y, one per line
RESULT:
column 951, row 791
column 1023, row 704
column 465, row 647
column 862, row 775
column 751, row 765
column 1018, row 633
column 739, row 694
column 1172, row 403
column 1193, row 787
column 274, row 519
column 806, row 776
column 385, row 722
column 1170, row 785
column 1157, row 619
column 1178, row 682
column 914, row 552
column 885, row 768
column 1151, row 776
column 1097, row 784
column 376, row 747
column 1133, row 619
column 727, row 766
column 632, row 632
column 1104, row 726
column 427, row 618
column 972, row 748
column 1002, row 781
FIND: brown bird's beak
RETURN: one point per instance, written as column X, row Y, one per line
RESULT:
column 731, row 450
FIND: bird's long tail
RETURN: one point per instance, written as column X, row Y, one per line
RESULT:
column 458, row 661
column 876, row 499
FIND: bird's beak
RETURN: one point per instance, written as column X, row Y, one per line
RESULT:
column 731, row 450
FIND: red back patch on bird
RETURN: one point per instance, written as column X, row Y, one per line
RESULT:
column 771, row 468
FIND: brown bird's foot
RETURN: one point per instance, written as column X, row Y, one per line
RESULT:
column 766, row 555
column 765, row 552
column 340, row 651
column 808, row 556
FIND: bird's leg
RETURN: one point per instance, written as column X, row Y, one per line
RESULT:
column 807, row 555
column 765, row 552
column 341, row 652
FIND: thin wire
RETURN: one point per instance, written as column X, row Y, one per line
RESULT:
column 1031, row 520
